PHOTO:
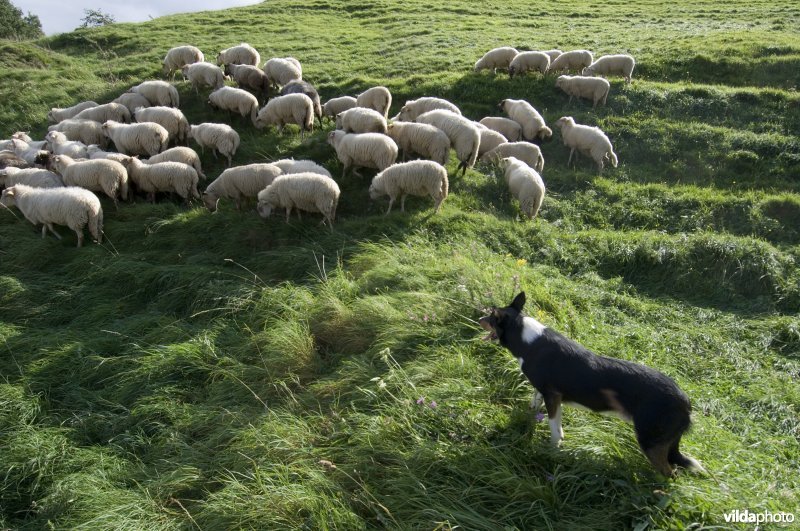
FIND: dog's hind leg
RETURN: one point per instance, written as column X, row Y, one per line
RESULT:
column 536, row 400
column 553, row 404
column 657, row 455
column 675, row 457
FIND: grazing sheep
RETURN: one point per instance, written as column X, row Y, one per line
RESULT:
column 158, row 93
column 378, row 98
column 606, row 65
column 289, row 166
column 169, row 118
column 338, row 105
column 588, row 140
column 490, row 138
column 528, row 153
column 413, row 108
column 591, row 88
column 219, row 137
column 20, row 135
column 96, row 152
column 204, row 74
column 418, row 177
column 98, row 175
column 298, row 86
column 179, row 57
column 464, row 135
column 27, row 153
column 575, row 60
column 105, row 112
column 132, row 101
column 250, row 78
column 74, row 207
column 304, row 191
column 282, row 70
column 496, row 58
column 86, row 131
column 527, row 62
column 243, row 54
column 233, row 99
column 506, row 127
column 9, row 159
column 522, row 112
column 57, row 114
column 239, row 182
column 553, row 54
column 58, row 144
column 183, row 154
column 164, row 177
column 366, row 150
column 34, row 177
column 361, row 120
column 525, row 184
column 290, row 109
column 425, row 140
column 146, row 138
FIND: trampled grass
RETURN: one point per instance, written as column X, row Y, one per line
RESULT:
column 223, row 372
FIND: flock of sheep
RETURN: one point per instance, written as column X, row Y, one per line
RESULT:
column 52, row 181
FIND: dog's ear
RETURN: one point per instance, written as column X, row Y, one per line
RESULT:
column 519, row 301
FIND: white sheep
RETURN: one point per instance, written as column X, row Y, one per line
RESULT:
column 505, row 126
column 242, row 54
column 588, row 140
column 529, row 62
column 71, row 206
column 361, row 120
column 522, row 112
column 302, row 191
column 235, row 100
column 204, row 74
column 33, row 144
column 105, row 112
column 338, row 105
column 158, row 92
column 575, row 60
column 418, row 177
column 98, row 175
column 57, row 114
column 219, row 137
column 528, row 153
column 58, row 144
column 366, row 150
column 464, row 135
column 86, row 131
column 19, row 135
column 183, row 154
column 553, row 54
column 425, row 140
column 29, row 154
column 496, row 58
column 525, row 184
column 132, row 101
column 146, row 138
column 289, row 166
column 96, row 152
column 35, row 177
column 378, row 98
column 282, row 70
column 413, row 108
column 621, row 64
column 179, row 57
column 591, row 88
column 164, row 177
column 299, row 86
column 238, row 183
column 249, row 77
column 289, row 109
column 490, row 138
column 170, row 118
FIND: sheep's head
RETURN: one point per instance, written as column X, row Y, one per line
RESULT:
column 511, row 71
column 567, row 121
column 333, row 137
column 376, row 188
column 211, row 201
column 544, row 133
column 8, row 199
column 502, row 105
column 264, row 209
column 560, row 81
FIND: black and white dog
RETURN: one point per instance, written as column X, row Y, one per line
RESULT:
column 561, row 370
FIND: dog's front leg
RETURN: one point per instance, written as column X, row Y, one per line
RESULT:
column 553, row 404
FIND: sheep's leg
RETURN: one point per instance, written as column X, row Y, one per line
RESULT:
column 80, row 237
column 214, row 151
column 51, row 229
column 391, row 201
column 355, row 171
column 344, row 171
column 403, row 203
column 238, row 202
column 288, row 213
column 230, row 160
column 571, row 153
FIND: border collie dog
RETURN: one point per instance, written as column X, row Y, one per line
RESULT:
column 562, row 371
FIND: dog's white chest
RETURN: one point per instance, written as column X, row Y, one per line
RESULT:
column 531, row 331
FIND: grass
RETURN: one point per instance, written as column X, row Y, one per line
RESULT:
column 205, row 371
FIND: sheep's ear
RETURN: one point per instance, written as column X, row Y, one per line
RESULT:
column 9, row 192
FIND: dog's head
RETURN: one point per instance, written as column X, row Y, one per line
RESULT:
column 501, row 320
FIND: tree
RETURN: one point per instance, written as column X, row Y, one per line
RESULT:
column 14, row 26
column 96, row 17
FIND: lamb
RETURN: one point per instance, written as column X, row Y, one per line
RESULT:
column 233, row 99
column 105, row 112
column 464, row 135
column 146, row 138
column 57, row 114
column 573, row 60
column 298, row 86
column 378, row 98
column 282, row 70
column 249, row 77
column 490, row 138
column 34, row 177
column 99, row 175
column 413, row 108
column 426, row 140
column 338, row 105
column 164, row 177
column 183, row 154
column 367, row 150
column 158, row 93
column 74, row 207
column 304, row 191
column 522, row 112
column 588, row 140
column 621, row 64
column 289, row 166
column 496, row 58
column 592, row 88
column 418, row 177
column 86, row 131
column 58, row 144
column 219, row 137
column 361, row 120
column 527, row 62
column 290, row 109
column 132, row 101
column 528, row 153
column 169, row 118
column 525, row 184
column 243, row 54
column 179, row 57
column 238, row 183
column 506, row 127
column 204, row 74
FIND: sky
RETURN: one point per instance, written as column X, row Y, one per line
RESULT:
column 59, row 16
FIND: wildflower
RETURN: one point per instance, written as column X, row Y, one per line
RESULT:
column 521, row 262
column 433, row 404
column 421, row 401
column 539, row 417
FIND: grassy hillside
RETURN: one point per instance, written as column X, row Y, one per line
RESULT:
column 200, row 371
